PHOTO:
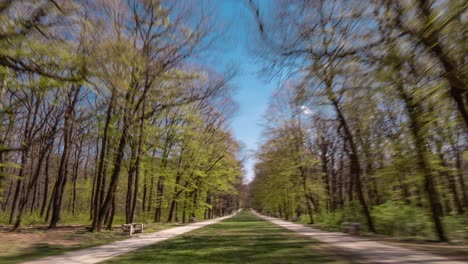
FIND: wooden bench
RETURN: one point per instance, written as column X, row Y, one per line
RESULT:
column 132, row 228
column 352, row 228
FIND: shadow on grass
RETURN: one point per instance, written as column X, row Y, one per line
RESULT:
column 37, row 251
column 80, row 239
column 241, row 239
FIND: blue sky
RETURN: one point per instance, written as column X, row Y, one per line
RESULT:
column 252, row 92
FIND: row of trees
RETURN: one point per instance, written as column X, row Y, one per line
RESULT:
column 105, row 113
column 373, row 113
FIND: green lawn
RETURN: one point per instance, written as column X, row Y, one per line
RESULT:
column 11, row 253
column 38, row 242
column 244, row 238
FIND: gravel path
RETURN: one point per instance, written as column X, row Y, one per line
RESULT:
column 111, row 250
column 372, row 251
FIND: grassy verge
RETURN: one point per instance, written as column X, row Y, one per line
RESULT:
column 244, row 238
column 457, row 250
column 35, row 242
column 454, row 251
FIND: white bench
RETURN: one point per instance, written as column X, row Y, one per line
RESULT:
column 132, row 228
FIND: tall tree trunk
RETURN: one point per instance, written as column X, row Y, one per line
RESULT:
column 46, row 184
column 349, row 186
column 150, row 193
column 340, row 179
column 326, row 176
column 61, row 178
column 160, row 186
column 34, row 195
column 414, row 112
column 8, row 195
column 354, row 157
column 143, row 203
column 111, row 215
column 49, row 207
column 140, row 153
column 99, row 218
column 194, row 202
column 64, row 160
column 450, row 178
column 29, row 123
column 306, row 195
column 94, row 189
column 184, row 209
column 31, row 187
column 99, row 187
column 75, row 175
column 3, row 155
column 176, row 194
column 19, row 184
column 129, row 196
column 334, row 187
column 461, row 180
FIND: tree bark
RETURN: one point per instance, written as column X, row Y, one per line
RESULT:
column 64, row 160
column 46, row 184
column 99, row 187
column 354, row 157
column 103, row 210
column 414, row 112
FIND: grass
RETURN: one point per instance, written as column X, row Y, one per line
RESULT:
column 40, row 250
column 244, row 238
column 455, row 249
column 61, row 242
column 38, row 241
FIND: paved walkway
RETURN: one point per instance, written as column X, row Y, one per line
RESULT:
column 372, row 251
column 111, row 250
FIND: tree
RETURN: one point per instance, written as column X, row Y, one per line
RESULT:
column 379, row 78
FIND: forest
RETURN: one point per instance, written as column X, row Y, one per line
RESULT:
column 370, row 121
column 110, row 114
column 106, row 116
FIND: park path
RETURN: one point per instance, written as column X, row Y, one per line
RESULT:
column 114, row 249
column 370, row 250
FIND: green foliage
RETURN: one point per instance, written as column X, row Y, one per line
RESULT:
column 404, row 220
column 457, row 227
column 332, row 220
column 352, row 212
column 382, row 114
column 393, row 218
